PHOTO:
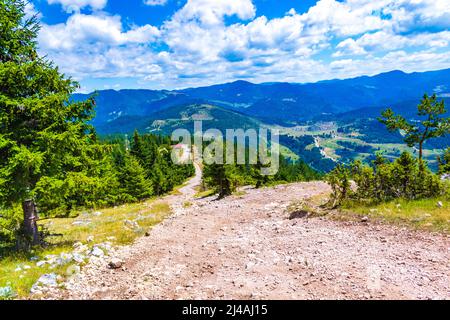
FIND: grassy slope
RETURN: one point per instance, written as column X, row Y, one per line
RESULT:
column 108, row 226
column 428, row 214
column 418, row 214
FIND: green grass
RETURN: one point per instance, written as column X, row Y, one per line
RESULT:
column 22, row 281
column 111, row 223
column 204, row 193
column 239, row 193
column 109, row 226
column 419, row 214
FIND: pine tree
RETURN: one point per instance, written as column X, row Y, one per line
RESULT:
column 43, row 135
column 404, row 175
column 133, row 181
column 434, row 123
column 224, row 178
column 137, row 147
column 160, row 175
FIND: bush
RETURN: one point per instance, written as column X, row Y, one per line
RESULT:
column 339, row 180
column 10, row 221
column 405, row 178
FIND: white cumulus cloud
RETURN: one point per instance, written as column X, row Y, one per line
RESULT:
column 197, row 45
column 212, row 12
column 76, row 5
column 82, row 30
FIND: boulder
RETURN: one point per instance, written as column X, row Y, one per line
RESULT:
column 115, row 263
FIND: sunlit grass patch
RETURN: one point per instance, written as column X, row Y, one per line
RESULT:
column 427, row 214
column 120, row 226
column 204, row 194
column 19, row 271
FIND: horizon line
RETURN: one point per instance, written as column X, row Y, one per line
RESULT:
column 266, row 83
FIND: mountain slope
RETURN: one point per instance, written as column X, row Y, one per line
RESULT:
column 279, row 103
column 181, row 117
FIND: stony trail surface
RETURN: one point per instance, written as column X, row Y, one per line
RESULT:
column 245, row 247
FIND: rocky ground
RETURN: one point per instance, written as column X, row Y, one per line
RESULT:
column 245, row 247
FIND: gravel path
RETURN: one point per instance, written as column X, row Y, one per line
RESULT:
column 244, row 247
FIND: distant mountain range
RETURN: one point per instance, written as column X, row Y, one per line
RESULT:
column 273, row 103
column 323, row 123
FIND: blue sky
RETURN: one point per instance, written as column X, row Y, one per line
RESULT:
column 167, row 44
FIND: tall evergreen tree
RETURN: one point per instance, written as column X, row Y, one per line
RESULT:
column 134, row 184
column 137, row 147
column 43, row 135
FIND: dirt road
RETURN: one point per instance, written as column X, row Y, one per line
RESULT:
column 244, row 247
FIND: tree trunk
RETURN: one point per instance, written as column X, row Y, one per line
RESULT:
column 30, row 218
column 420, row 152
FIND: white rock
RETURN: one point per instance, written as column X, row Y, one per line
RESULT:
column 41, row 263
column 90, row 239
column 46, row 280
column 115, row 263
column 97, row 252
column 61, row 260
column 249, row 265
column 440, row 204
column 78, row 258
